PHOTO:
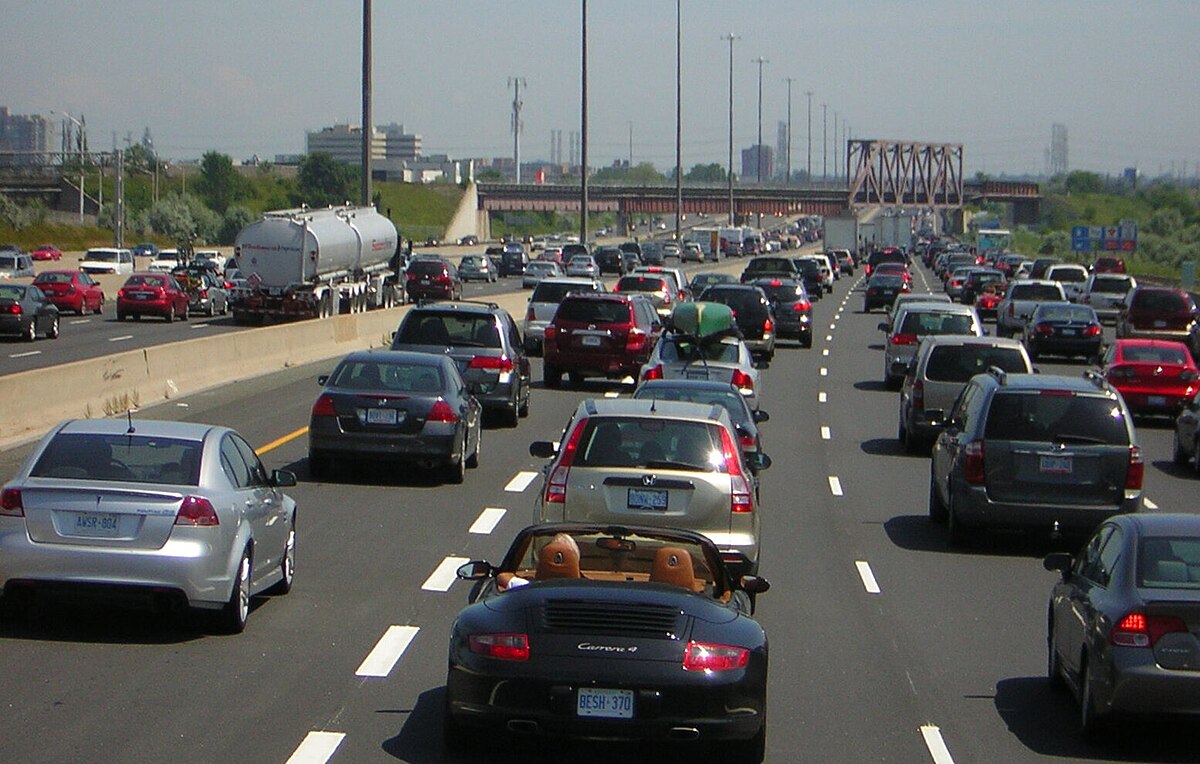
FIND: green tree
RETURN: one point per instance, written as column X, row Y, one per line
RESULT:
column 182, row 216
column 322, row 180
column 220, row 185
column 706, row 173
column 1082, row 182
column 1166, row 222
column 236, row 218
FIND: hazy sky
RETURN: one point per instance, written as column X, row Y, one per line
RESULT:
column 251, row 76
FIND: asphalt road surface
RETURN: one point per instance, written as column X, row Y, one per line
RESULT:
column 885, row 645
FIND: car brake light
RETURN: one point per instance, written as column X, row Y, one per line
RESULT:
column 505, row 647
column 702, row 656
column 654, row 372
column 441, row 412
column 14, row 309
column 742, row 381
column 973, row 471
column 872, row 291
column 747, row 441
column 635, row 340
column 918, row 395
column 1136, row 471
column 1140, row 630
column 324, row 406
column 904, row 339
column 550, row 332
column 802, row 306
column 501, row 363
column 768, row 325
column 556, row 484
column 1044, row 328
column 10, row 503
column 530, row 315
column 1093, row 330
column 197, row 511
column 740, row 498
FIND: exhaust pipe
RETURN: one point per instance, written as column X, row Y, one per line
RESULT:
column 683, row 733
column 523, row 726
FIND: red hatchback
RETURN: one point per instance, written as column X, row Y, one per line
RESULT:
column 71, row 290
column 152, row 294
column 609, row 335
column 46, row 252
column 1155, row 377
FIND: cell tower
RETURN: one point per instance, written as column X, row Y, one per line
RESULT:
column 1058, row 149
column 517, row 125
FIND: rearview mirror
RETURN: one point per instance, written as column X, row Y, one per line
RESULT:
column 322, row 379
column 883, row 327
column 1059, row 561
column 761, row 364
column 754, row 584
column 760, row 416
column 475, row 570
column 542, row 449
column 758, row 461
column 935, row 417
column 283, row 478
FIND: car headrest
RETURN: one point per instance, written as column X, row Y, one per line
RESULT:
column 673, row 565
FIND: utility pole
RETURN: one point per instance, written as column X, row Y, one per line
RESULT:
column 583, row 137
column 730, row 37
column 788, row 177
column 631, row 145
column 758, row 149
column 368, row 132
column 824, row 142
column 809, row 95
column 119, row 216
column 836, row 153
column 678, row 124
column 515, row 83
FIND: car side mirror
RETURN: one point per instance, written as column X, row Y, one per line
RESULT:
column 283, row 478
column 760, row 416
column 1060, row 561
column 322, row 379
column 758, row 461
column 475, row 570
column 753, row 584
column 936, row 418
column 883, row 327
column 542, row 449
column 761, row 364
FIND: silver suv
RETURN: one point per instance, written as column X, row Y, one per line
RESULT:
column 655, row 462
column 1050, row 454
column 543, row 304
column 912, row 322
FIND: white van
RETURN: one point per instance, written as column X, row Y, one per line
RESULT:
column 107, row 260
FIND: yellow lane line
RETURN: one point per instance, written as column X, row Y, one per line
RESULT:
column 280, row 441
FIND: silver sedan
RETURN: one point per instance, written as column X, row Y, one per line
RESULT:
column 156, row 513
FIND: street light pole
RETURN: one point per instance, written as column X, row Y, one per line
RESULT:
column 678, row 124
column 758, row 149
column 788, row 177
column 583, row 135
column 809, row 95
column 824, row 142
column 368, row 132
column 730, row 37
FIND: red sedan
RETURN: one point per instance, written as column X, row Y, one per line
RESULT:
column 1155, row 377
column 153, row 294
column 47, row 252
column 71, row 290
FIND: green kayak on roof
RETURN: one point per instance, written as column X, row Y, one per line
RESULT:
column 702, row 319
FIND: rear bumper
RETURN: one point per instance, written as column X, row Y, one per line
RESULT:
column 594, row 363
column 439, row 445
column 973, row 508
column 143, row 307
column 1139, row 686
column 1089, row 346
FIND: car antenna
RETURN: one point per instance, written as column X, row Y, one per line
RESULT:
column 129, row 416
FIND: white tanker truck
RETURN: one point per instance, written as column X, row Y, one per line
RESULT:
column 314, row 263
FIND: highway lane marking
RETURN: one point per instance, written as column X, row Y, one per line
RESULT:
column 199, row 326
column 78, row 321
column 382, row 658
column 867, row 576
column 826, row 433
column 936, row 745
column 832, row 327
column 488, row 520
column 280, row 441
column 829, row 338
column 26, row 354
column 317, row 748
column 835, row 486
column 520, row 481
column 822, row 397
column 824, row 372
column 825, row 351
column 122, row 337
column 1149, row 504
column 444, row 575
column 612, row 394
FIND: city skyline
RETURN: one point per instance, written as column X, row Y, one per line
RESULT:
column 994, row 82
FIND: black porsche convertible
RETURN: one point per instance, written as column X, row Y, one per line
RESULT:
column 625, row 633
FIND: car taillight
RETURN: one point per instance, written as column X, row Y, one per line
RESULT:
column 740, row 498
column 801, row 307
column 904, row 339
column 1122, row 373
column 10, row 503
column 918, row 395
column 556, row 484
column 1093, row 330
column 872, row 291
column 441, row 412
column 702, row 656
column 1044, row 328
column 324, row 406
column 162, row 292
column 747, row 441
column 505, row 647
column 500, row 363
column 1136, row 471
column 635, row 340
column 1012, row 309
column 742, row 381
column 413, row 276
column 973, row 471
column 14, row 309
column 530, row 314
column 654, row 372
column 1140, row 630
column 905, row 288
column 550, row 333
column 120, row 293
column 197, row 511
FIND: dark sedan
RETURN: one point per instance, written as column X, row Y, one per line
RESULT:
column 753, row 313
column 25, row 312
column 882, row 289
column 1123, row 620
column 586, row 630
column 1061, row 328
column 411, row 407
column 793, row 309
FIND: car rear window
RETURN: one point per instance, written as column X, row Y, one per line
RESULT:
column 1155, row 354
column 731, row 400
column 461, row 329
column 878, row 258
column 1036, row 292
column 594, row 311
column 1063, row 313
column 1166, row 302
column 380, row 375
column 123, row 458
column 53, row 278
column 934, row 322
column 638, row 441
column 1110, row 285
column 11, row 292
column 1169, row 562
column 677, row 349
column 1068, row 274
column 154, row 281
column 8, row 261
column 885, row 280
column 641, row 284
column 426, row 267
column 1049, row 416
column 958, row 363
column 741, row 300
column 555, row 291
column 783, row 292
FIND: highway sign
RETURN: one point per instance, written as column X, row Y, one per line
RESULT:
column 1121, row 237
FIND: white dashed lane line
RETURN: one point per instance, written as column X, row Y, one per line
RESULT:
column 612, row 394
column 1149, row 504
column 937, row 747
column 444, row 575
column 825, row 352
column 317, row 748
column 199, row 326
column 822, row 397
column 26, row 354
column 520, row 481
column 382, row 659
column 829, row 338
column 835, row 486
column 826, row 434
column 867, row 576
column 122, row 337
column 488, row 520
column 78, row 321
column 824, row 372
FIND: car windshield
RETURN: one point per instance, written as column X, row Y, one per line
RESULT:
column 1048, row 416
column 53, row 278
column 934, row 322
column 1169, row 562
column 730, row 400
column 381, row 375
column 124, row 458
column 958, row 363
column 651, row 442
column 594, row 311
column 100, row 255
column 450, row 328
column 1036, row 292
column 675, row 349
column 629, row 557
column 641, row 284
column 1155, row 354
column 1063, row 313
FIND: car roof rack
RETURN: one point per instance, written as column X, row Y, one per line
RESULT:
column 998, row 374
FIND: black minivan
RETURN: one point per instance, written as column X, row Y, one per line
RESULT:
column 513, row 260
